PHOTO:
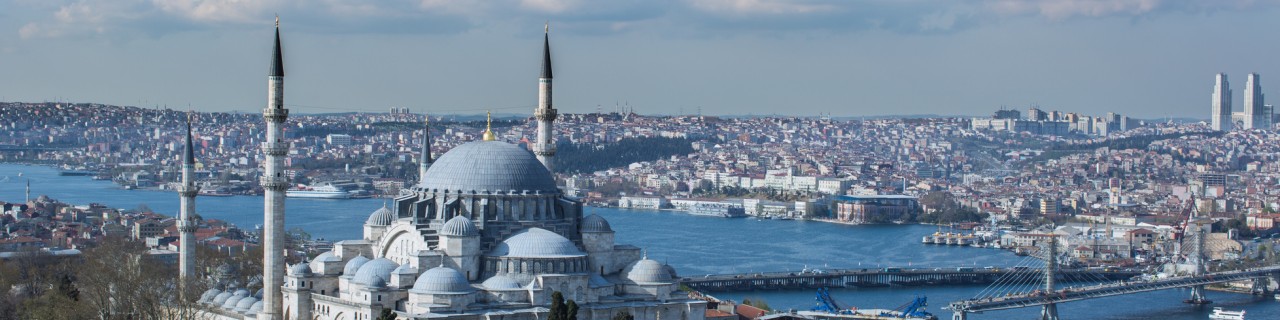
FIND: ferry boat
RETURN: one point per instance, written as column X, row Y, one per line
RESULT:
column 722, row 210
column 320, row 192
column 1221, row 314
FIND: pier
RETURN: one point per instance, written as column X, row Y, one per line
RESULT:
column 880, row 277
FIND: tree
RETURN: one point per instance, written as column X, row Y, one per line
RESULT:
column 623, row 316
column 557, row 307
column 387, row 315
column 571, row 310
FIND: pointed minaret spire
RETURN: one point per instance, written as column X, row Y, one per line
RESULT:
column 545, row 148
column 424, row 162
column 277, row 61
column 274, row 183
column 186, row 220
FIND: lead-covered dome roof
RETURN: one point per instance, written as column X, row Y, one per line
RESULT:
column 376, row 273
column 647, row 271
column 353, row 265
column 595, row 223
column 381, row 217
column 459, row 226
column 536, row 243
column 442, row 280
column 501, row 282
column 492, row 166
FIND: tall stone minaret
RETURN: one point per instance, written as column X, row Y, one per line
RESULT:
column 186, row 221
column 545, row 148
column 274, row 184
column 424, row 161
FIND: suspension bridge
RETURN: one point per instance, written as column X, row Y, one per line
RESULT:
column 1036, row 287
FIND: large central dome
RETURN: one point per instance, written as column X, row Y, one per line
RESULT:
column 488, row 166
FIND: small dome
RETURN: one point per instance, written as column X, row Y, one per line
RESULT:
column 208, row 295
column 220, row 298
column 230, row 304
column 405, row 269
column 354, row 265
column 442, row 280
column 647, row 271
column 376, row 273
column 241, row 292
column 244, row 304
column 381, row 217
column 500, row 282
column 595, row 223
column 536, row 243
column 317, row 264
column 459, row 226
column 300, row 270
column 255, row 308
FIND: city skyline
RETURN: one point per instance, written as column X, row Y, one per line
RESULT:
column 661, row 57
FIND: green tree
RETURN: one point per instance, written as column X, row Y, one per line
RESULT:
column 557, row 307
column 387, row 315
column 571, row 310
column 623, row 316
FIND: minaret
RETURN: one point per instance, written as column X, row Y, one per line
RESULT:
column 187, row 208
column 545, row 148
column 424, row 162
column 274, row 184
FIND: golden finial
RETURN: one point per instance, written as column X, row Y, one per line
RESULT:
column 488, row 127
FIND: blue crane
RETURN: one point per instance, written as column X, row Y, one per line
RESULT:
column 827, row 304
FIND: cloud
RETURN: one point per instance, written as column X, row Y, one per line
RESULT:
column 61, row 18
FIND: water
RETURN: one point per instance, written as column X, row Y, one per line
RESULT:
column 694, row 245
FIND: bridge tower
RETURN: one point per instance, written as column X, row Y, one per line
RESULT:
column 1197, row 252
column 1050, row 311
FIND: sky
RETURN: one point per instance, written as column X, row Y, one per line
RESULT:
column 1142, row 58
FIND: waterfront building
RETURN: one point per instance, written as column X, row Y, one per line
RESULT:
column 484, row 234
column 874, row 208
column 1220, row 109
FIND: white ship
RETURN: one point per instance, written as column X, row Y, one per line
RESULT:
column 319, row 192
column 1220, row 314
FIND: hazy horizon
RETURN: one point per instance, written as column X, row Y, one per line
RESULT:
column 1141, row 58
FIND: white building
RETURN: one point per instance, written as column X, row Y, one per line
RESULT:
column 1220, row 110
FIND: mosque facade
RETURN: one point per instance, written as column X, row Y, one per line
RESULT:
column 485, row 234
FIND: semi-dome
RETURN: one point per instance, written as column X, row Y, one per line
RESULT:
column 501, row 282
column 536, row 243
column 595, row 223
column 459, row 226
column 647, row 271
column 488, row 165
column 243, row 305
column 354, row 265
column 381, row 217
column 300, row 270
column 376, row 273
column 442, row 280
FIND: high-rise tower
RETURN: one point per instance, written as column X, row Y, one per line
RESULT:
column 1220, row 112
column 545, row 148
column 274, row 184
column 1255, row 116
column 187, row 207
column 424, row 162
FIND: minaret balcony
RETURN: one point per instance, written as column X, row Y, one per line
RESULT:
column 275, row 148
column 187, row 191
column 274, row 183
column 276, row 115
column 545, row 114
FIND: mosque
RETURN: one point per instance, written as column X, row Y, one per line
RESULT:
column 485, row 234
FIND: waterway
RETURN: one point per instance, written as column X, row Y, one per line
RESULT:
column 694, row 245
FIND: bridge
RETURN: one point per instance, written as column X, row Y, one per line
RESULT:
column 881, row 277
column 1021, row 290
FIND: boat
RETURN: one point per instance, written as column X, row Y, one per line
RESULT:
column 1223, row 314
column 76, row 173
column 1277, row 297
column 319, row 192
column 215, row 193
column 723, row 210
